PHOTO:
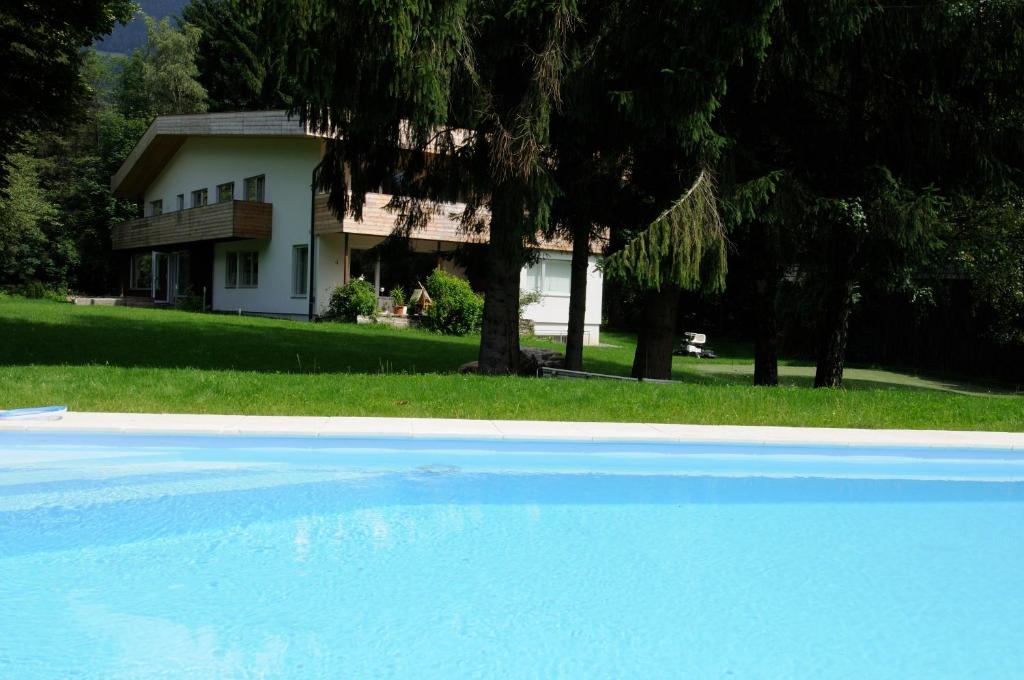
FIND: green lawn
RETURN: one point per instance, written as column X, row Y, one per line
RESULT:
column 119, row 359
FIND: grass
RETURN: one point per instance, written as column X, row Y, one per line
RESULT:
column 144, row 360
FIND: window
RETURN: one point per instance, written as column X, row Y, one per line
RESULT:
column 181, row 201
column 255, row 188
column 199, row 198
column 532, row 278
column 225, row 192
column 231, row 270
column 300, row 270
column 557, row 277
column 551, row 277
column 248, row 269
column 156, row 207
column 242, row 269
column 142, row 270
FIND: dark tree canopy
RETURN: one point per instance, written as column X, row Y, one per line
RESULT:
column 41, row 47
column 459, row 94
column 870, row 117
column 240, row 70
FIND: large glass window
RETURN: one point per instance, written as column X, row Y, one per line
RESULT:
column 199, row 197
column 300, row 270
column 557, row 277
column 551, row 277
column 242, row 269
column 156, row 207
column 142, row 270
column 255, row 188
column 225, row 192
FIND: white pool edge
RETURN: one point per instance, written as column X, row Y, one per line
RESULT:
column 172, row 423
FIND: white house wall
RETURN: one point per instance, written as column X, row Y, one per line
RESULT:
column 206, row 162
column 330, row 262
column 550, row 316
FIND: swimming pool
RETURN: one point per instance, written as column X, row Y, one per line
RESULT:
column 135, row 555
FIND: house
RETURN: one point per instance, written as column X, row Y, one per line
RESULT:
column 229, row 215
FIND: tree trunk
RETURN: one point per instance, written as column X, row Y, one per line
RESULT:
column 577, row 297
column 499, row 333
column 832, row 333
column 766, row 357
column 653, row 358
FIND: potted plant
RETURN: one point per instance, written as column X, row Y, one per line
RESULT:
column 398, row 300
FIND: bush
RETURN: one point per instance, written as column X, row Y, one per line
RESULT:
column 355, row 298
column 36, row 290
column 189, row 302
column 455, row 309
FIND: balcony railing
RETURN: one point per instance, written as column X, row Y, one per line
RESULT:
column 215, row 222
column 377, row 220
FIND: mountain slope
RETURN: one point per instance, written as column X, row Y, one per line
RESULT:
column 124, row 39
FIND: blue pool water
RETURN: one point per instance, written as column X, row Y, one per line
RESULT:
column 142, row 556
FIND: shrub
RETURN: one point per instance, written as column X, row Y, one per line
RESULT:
column 353, row 299
column 36, row 290
column 454, row 309
column 189, row 302
column 527, row 298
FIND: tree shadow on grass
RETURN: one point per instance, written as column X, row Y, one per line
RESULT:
column 206, row 342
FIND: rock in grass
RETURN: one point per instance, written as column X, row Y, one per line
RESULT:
column 531, row 360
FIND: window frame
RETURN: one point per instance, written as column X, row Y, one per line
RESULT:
column 303, row 280
column 231, row 269
column 545, row 290
column 246, row 269
column 226, row 185
column 181, row 202
column 251, row 260
column 260, row 188
column 542, row 277
column 156, row 207
column 204, row 193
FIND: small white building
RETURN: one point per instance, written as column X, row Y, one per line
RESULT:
column 229, row 214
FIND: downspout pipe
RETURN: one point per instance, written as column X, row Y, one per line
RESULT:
column 311, row 293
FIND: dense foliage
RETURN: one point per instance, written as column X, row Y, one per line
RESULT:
column 161, row 77
column 455, row 309
column 239, row 68
column 41, row 49
column 352, row 300
column 55, row 225
column 849, row 145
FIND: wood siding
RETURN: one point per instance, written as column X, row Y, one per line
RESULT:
column 215, row 222
column 378, row 221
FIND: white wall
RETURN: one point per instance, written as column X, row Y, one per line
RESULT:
column 205, row 162
column 550, row 316
column 330, row 262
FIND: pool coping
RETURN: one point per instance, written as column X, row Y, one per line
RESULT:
column 434, row 428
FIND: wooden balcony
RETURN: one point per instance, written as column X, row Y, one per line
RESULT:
column 377, row 220
column 215, row 222
column 443, row 225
